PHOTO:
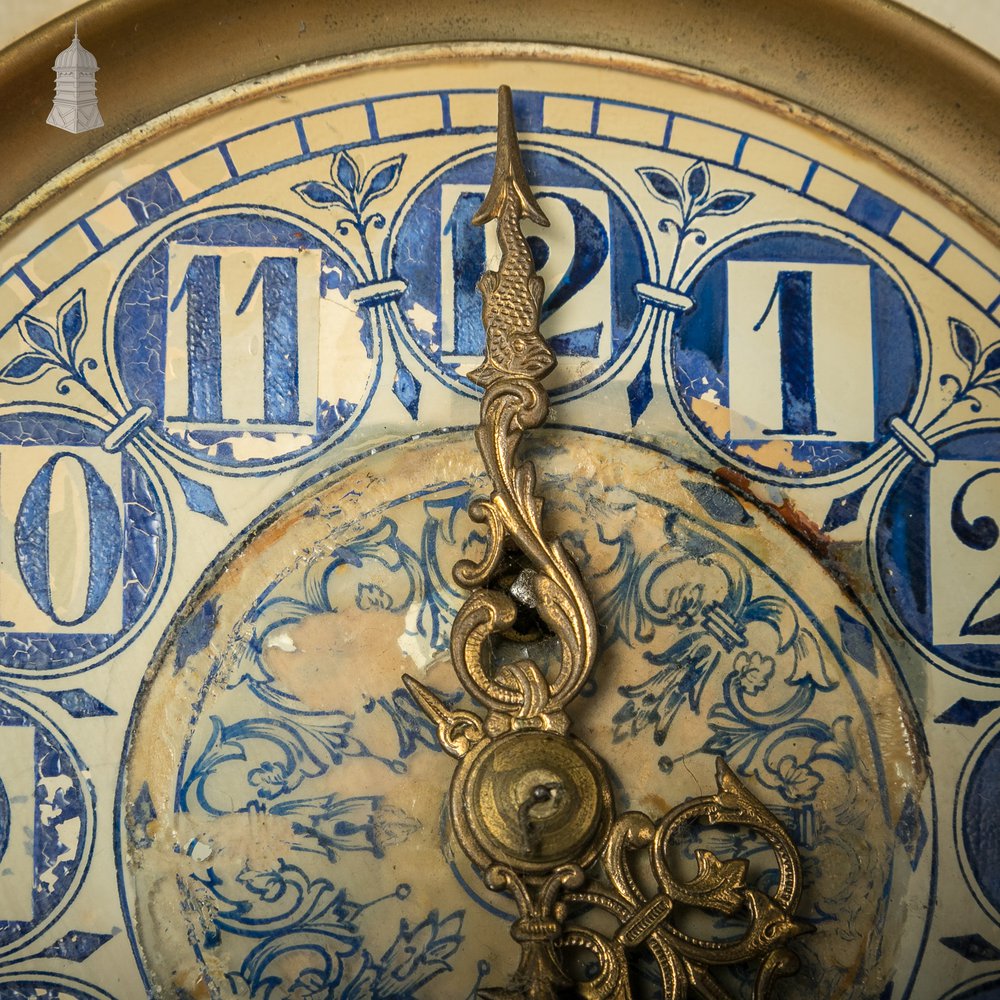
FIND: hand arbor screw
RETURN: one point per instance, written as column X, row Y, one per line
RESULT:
column 531, row 804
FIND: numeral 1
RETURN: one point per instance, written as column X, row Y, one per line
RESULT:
column 799, row 350
column 278, row 281
column 201, row 286
column 793, row 294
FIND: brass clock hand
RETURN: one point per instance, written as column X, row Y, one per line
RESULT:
column 530, row 803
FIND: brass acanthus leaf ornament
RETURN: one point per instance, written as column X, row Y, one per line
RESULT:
column 530, row 803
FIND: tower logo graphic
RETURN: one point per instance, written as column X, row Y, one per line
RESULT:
column 75, row 105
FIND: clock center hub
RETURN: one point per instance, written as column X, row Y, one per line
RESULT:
column 534, row 800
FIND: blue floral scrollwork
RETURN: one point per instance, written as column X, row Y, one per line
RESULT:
column 276, row 756
column 309, row 942
column 705, row 600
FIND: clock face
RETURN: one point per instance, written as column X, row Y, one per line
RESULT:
column 236, row 464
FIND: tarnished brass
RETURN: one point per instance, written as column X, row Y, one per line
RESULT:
column 530, row 803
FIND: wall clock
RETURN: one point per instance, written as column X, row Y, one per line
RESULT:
column 236, row 468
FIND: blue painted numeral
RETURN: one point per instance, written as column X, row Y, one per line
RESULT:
column 981, row 534
column 33, row 542
column 201, row 286
column 793, row 294
column 590, row 251
column 469, row 255
column 275, row 282
column 277, row 278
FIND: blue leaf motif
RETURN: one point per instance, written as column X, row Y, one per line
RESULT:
column 973, row 947
column 407, row 390
column 779, row 614
column 382, row 178
column 844, row 510
column 80, row 704
column 75, row 946
column 726, row 203
column 696, row 181
column 810, row 664
column 661, row 184
column 320, row 194
column 200, row 498
column 640, row 393
column 72, row 322
column 345, row 170
column 26, row 368
column 38, row 334
column 991, row 364
column 857, row 641
column 965, row 342
column 195, row 632
column 687, row 666
column 967, row 712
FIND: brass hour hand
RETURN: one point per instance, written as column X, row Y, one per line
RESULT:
column 530, row 803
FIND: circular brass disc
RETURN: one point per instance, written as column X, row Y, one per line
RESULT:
column 532, row 800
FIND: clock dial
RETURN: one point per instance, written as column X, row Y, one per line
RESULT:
column 305, row 790
column 234, row 361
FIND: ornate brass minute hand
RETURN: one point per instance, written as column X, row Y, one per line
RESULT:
column 530, row 803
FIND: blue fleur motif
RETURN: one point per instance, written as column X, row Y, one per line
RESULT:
column 689, row 199
column 708, row 603
column 349, row 194
column 52, row 347
column 332, row 824
column 982, row 364
column 416, row 956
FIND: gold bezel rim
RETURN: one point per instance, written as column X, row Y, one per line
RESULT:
column 868, row 65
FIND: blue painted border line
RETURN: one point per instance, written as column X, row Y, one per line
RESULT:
column 89, row 233
column 227, row 158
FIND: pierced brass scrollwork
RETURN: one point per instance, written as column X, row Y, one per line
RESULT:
column 530, row 803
